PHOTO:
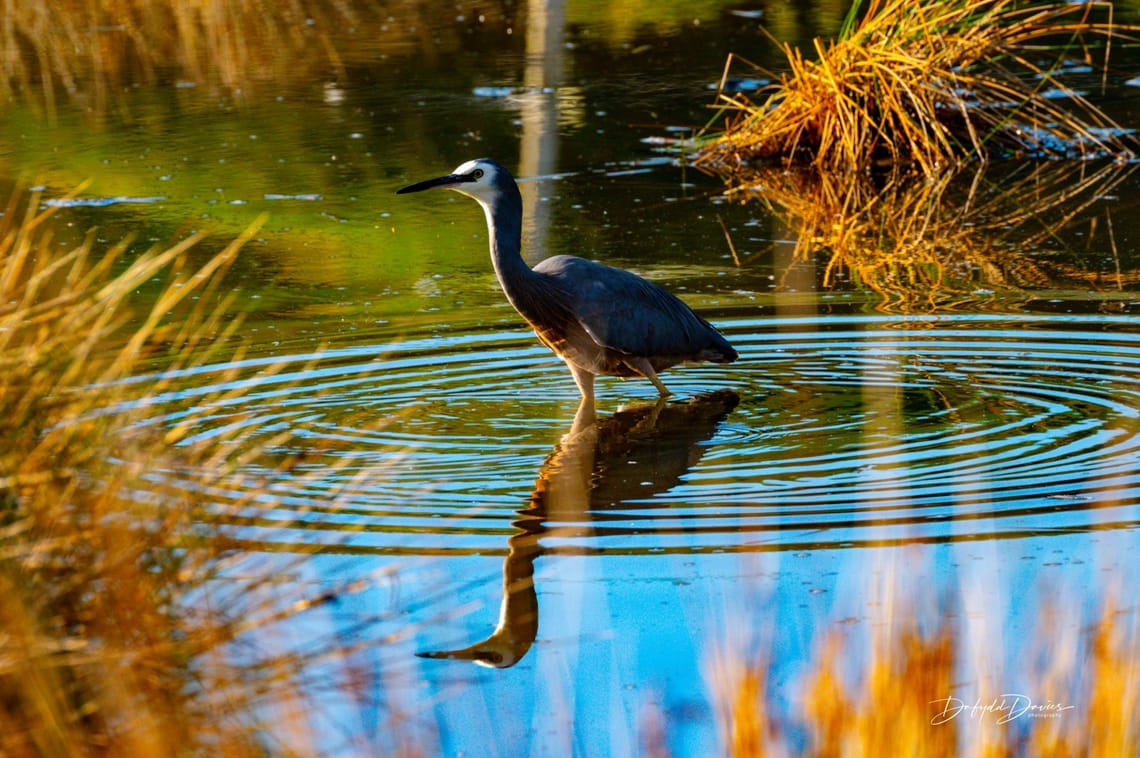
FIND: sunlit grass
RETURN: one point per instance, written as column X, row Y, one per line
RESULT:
column 133, row 622
column 909, row 697
column 927, row 84
column 864, row 150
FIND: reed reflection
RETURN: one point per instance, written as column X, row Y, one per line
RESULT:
column 924, row 244
column 599, row 464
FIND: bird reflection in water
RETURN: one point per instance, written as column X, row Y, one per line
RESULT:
column 635, row 453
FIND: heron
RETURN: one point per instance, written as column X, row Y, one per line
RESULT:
column 598, row 319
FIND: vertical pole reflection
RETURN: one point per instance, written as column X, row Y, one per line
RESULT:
column 542, row 77
column 884, row 476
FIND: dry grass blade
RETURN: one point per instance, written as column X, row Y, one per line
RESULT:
column 928, row 84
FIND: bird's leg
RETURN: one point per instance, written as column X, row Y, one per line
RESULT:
column 585, row 381
column 645, row 368
column 584, row 417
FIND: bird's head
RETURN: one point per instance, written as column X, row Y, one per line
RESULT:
column 491, row 653
column 482, row 179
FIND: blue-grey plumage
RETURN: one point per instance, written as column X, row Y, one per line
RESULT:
column 598, row 319
column 633, row 316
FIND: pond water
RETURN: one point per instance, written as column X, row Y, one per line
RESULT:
column 980, row 456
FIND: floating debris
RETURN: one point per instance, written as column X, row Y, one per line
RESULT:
column 739, row 84
column 629, row 172
column 505, row 92
column 99, row 202
column 308, row 197
column 493, row 91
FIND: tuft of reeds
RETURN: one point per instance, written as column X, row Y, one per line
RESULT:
column 132, row 622
column 927, row 84
column 908, row 697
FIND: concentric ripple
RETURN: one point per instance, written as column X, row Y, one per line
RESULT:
column 845, row 431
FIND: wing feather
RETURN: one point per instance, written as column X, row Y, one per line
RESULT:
column 623, row 312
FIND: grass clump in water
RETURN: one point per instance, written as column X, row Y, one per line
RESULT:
column 928, row 84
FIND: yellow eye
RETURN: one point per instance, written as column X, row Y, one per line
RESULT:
column 477, row 173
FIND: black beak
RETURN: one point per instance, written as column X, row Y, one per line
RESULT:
column 442, row 181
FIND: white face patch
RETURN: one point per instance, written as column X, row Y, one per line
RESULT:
column 483, row 188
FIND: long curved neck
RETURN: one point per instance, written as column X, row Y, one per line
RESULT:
column 504, row 227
